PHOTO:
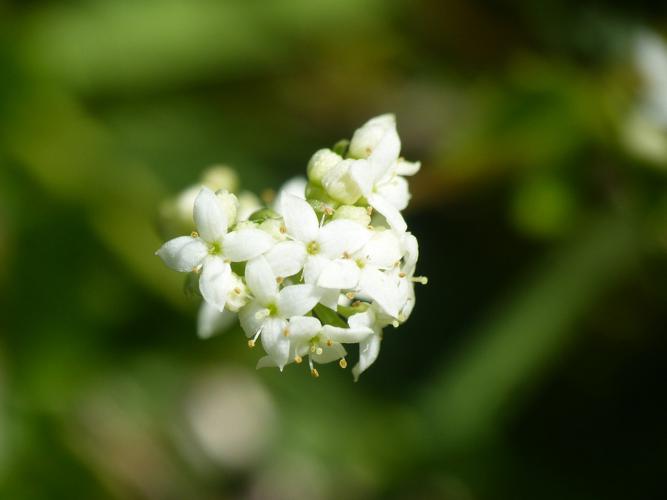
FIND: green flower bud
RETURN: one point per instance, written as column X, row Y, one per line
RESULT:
column 355, row 214
column 320, row 163
column 339, row 184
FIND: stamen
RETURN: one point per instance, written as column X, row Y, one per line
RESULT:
column 420, row 279
column 328, row 211
column 395, row 324
column 319, row 351
column 350, row 295
column 252, row 341
column 342, row 363
column 298, row 359
column 313, row 348
column 237, row 291
column 369, row 210
column 283, row 229
column 329, row 343
column 286, row 332
column 280, row 280
column 313, row 370
column 402, row 274
column 194, row 234
column 346, row 255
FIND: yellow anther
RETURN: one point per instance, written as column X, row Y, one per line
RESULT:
column 350, row 295
column 286, row 332
column 313, row 348
column 342, row 363
column 280, row 280
column 251, row 343
column 328, row 211
column 329, row 343
column 314, row 373
column 346, row 255
column 194, row 234
column 369, row 210
column 319, row 351
column 402, row 274
column 298, row 359
column 237, row 291
column 283, row 229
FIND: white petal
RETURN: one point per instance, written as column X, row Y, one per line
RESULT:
column 215, row 282
column 260, row 279
column 211, row 321
column 183, row 253
column 210, row 218
column 411, row 248
column 382, row 289
column 393, row 216
column 383, row 250
column 404, row 167
column 266, row 362
column 293, row 187
column 313, row 267
column 346, row 335
column 249, row 320
column 368, row 353
column 340, row 236
column 246, row 244
column 363, row 175
column 297, row 300
column 329, row 297
column 396, row 192
column 329, row 354
column 286, row 258
column 300, row 218
column 362, row 320
column 303, row 327
column 339, row 274
column 275, row 343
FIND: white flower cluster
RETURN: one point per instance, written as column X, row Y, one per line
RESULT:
column 329, row 263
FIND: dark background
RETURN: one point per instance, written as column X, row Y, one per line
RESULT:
column 533, row 365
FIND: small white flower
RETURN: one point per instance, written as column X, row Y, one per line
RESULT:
column 319, row 343
column 369, row 347
column 382, row 252
column 271, row 310
column 212, row 248
column 323, row 252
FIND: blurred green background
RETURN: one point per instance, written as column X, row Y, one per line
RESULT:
column 534, row 363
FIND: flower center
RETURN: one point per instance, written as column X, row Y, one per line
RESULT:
column 215, row 248
column 273, row 309
column 360, row 263
column 313, row 248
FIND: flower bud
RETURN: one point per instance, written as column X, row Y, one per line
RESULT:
column 340, row 185
column 377, row 137
column 355, row 214
column 274, row 227
column 320, row 163
column 230, row 205
column 220, row 177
